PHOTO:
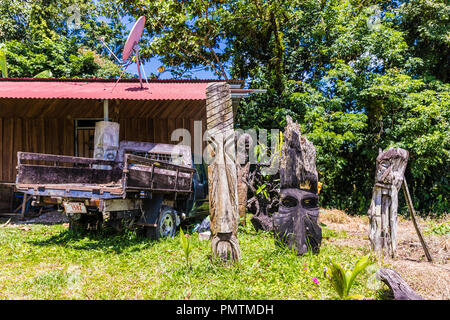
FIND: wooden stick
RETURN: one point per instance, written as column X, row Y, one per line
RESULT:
column 413, row 216
column 24, row 205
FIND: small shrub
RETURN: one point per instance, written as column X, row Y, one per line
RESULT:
column 438, row 228
column 342, row 280
column 186, row 245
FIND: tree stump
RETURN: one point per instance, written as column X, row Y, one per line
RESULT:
column 298, row 160
column 398, row 286
column 391, row 165
column 222, row 175
column 296, row 223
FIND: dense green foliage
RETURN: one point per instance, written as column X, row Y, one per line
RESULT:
column 42, row 36
column 357, row 75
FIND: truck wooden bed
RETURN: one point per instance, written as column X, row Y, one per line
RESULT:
column 76, row 177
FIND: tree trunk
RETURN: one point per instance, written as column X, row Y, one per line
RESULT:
column 222, row 175
column 391, row 165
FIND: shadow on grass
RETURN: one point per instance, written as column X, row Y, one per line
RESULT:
column 106, row 241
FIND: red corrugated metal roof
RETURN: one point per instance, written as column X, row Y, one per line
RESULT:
column 103, row 89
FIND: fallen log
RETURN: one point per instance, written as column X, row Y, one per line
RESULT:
column 400, row 289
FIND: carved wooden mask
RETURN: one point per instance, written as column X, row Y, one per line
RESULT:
column 296, row 222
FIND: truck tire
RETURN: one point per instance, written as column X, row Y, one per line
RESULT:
column 166, row 225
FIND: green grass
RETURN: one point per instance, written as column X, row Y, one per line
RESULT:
column 51, row 262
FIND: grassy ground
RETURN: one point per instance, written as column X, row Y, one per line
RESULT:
column 50, row 262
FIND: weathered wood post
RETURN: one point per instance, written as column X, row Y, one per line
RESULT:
column 222, row 175
column 298, row 160
column 391, row 165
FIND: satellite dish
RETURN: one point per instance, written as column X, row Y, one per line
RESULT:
column 131, row 46
column 133, row 39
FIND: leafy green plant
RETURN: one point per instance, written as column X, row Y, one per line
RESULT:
column 44, row 74
column 262, row 189
column 186, row 245
column 3, row 66
column 438, row 228
column 342, row 279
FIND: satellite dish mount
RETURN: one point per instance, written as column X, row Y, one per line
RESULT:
column 131, row 47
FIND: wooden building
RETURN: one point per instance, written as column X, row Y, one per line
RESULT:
column 58, row 116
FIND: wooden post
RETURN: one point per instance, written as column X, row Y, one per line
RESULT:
column 413, row 217
column 298, row 160
column 24, row 206
column 105, row 110
column 222, row 175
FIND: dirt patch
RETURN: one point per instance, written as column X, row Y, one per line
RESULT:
column 430, row 280
column 51, row 217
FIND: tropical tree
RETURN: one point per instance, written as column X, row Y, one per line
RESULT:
column 61, row 37
column 357, row 75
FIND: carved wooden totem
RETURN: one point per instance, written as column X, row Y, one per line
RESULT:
column 391, row 165
column 222, row 176
column 242, row 167
column 296, row 222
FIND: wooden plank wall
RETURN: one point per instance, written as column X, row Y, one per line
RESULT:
column 32, row 135
column 56, row 136
column 47, row 126
column 156, row 130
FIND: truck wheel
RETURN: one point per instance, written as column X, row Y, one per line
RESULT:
column 166, row 225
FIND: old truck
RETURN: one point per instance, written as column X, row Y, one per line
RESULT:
column 148, row 187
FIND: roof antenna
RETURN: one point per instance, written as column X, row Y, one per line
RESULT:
column 131, row 46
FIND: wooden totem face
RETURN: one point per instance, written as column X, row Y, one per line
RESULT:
column 391, row 166
column 296, row 222
column 223, row 199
